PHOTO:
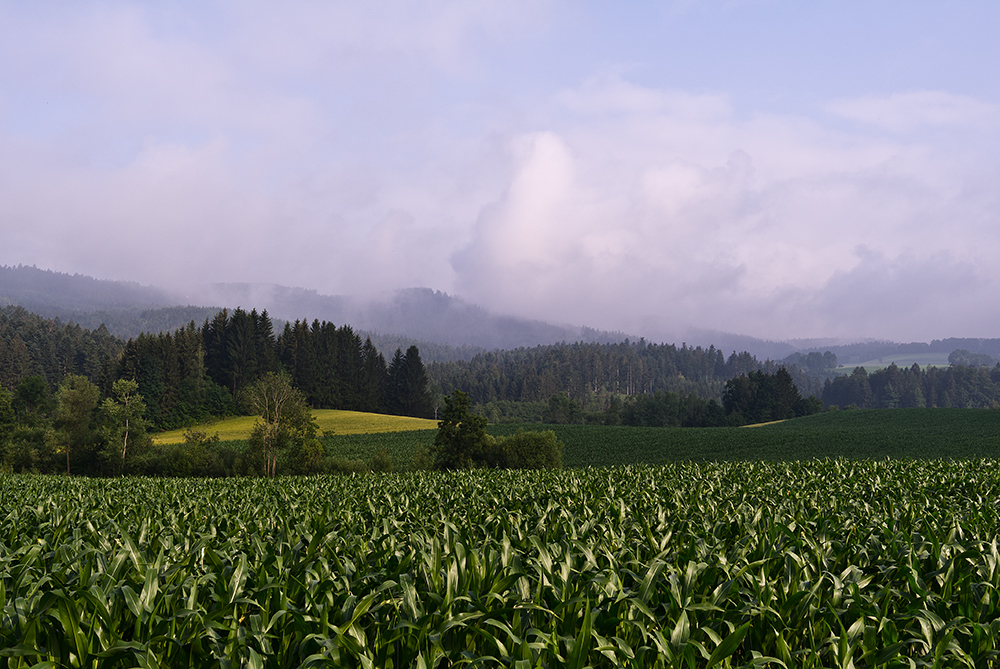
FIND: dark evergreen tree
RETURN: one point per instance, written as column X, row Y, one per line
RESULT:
column 416, row 397
column 374, row 379
column 31, row 400
column 242, row 345
column 407, row 385
column 461, row 440
column 267, row 349
column 214, row 334
column 394, row 385
column 562, row 410
column 759, row 397
column 849, row 391
column 295, row 352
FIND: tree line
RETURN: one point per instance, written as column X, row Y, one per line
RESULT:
column 87, row 400
column 594, row 377
column 53, row 371
column 72, row 429
column 958, row 386
column 31, row 345
column 756, row 397
column 195, row 372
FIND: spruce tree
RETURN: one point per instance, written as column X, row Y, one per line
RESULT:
column 394, row 385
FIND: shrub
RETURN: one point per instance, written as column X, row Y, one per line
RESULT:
column 462, row 442
column 532, row 450
column 382, row 461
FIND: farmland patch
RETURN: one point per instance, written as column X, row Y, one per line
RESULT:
column 816, row 563
column 333, row 421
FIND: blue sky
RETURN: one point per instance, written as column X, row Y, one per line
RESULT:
column 777, row 169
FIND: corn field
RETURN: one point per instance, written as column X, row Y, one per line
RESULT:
column 824, row 563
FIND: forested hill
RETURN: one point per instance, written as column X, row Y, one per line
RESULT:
column 444, row 326
column 127, row 310
column 44, row 291
column 197, row 372
column 124, row 308
column 421, row 314
column 857, row 353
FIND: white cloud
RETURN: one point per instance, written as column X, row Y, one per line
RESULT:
column 645, row 215
column 903, row 112
column 365, row 146
column 610, row 93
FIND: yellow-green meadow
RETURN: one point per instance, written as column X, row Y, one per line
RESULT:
column 329, row 420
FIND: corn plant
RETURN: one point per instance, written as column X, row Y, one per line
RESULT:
column 823, row 563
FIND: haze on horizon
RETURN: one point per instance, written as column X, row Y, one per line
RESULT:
column 771, row 168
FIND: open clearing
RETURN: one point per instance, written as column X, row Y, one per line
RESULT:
column 862, row 434
column 925, row 360
column 332, row 421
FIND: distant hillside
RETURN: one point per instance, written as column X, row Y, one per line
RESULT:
column 126, row 309
column 442, row 326
column 416, row 313
column 728, row 342
column 862, row 352
column 46, row 292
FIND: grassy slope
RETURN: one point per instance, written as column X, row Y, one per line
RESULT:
column 329, row 420
column 925, row 360
column 865, row 434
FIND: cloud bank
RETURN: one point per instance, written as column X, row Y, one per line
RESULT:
column 362, row 147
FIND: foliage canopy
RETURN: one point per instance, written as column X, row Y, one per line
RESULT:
column 462, row 442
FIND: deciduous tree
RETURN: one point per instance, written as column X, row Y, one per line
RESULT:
column 76, row 401
column 125, row 423
column 283, row 416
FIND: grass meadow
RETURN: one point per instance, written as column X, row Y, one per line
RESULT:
column 332, row 421
column 925, row 360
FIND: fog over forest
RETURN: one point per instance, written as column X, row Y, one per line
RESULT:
column 770, row 169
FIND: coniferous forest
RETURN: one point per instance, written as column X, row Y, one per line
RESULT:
column 198, row 371
column 195, row 372
column 614, row 383
column 69, row 391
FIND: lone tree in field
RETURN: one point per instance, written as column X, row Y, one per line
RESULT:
column 283, row 414
column 124, row 419
column 461, row 440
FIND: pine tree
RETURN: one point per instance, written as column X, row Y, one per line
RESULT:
column 416, row 395
column 394, row 385
column 374, row 379
column 242, row 348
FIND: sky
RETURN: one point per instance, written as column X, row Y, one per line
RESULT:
column 779, row 169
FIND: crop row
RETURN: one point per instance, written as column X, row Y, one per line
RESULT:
column 813, row 564
column 863, row 434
